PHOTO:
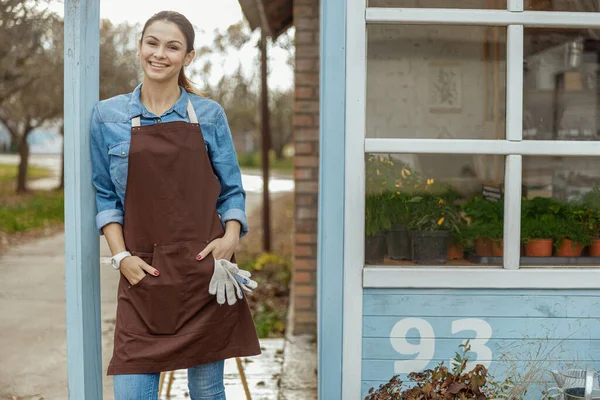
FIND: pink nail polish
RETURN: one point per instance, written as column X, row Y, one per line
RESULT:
column 155, row 273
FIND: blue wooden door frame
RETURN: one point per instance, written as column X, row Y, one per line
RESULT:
column 82, row 255
column 330, row 268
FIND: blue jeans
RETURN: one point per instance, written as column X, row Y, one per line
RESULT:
column 205, row 382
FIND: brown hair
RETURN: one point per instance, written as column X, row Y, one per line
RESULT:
column 187, row 29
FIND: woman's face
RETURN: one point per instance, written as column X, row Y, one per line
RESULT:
column 162, row 52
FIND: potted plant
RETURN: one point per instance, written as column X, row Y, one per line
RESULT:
column 405, row 184
column 487, row 218
column 537, row 235
column 430, row 221
column 461, row 239
column 379, row 171
column 571, row 234
column 591, row 200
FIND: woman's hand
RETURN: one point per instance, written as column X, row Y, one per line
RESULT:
column 134, row 269
column 221, row 248
column 224, row 247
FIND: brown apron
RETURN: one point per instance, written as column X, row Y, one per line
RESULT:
column 171, row 322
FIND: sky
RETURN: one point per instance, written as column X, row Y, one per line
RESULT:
column 206, row 15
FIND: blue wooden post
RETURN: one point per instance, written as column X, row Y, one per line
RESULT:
column 84, row 348
column 331, row 200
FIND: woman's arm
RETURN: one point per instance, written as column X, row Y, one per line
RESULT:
column 109, row 219
column 231, row 203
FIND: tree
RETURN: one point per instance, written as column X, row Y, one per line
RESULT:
column 238, row 92
column 23, row 26
column 40, row 99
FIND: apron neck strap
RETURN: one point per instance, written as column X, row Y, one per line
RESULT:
column 191, row 115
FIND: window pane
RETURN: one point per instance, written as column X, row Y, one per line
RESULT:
column 432, row 209
column 561, row 84
column 560, row 217
column 562, row 5
column 436, row 82
column 481, row 4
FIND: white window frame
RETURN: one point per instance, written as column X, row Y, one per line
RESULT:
column 510, row 276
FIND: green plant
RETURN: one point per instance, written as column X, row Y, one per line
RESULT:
column 376, row 218
column 543, row 226
column 431, row 213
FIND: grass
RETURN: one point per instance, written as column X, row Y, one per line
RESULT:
column 253, row 160
column 28, row 212
column 269, row 302
column 8, row 173
column 35, row 210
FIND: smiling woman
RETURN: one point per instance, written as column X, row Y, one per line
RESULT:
column 171, row 206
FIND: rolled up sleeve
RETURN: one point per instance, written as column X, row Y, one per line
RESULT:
column 108, row 204
column 231, row 204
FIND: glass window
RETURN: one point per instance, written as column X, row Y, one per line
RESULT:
column 481, row 4
column 562, row 5
column 444, row 82
column 561, row 85
column 433, row 209
column 560, row 212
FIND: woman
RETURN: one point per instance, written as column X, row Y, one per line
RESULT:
column 171, row 206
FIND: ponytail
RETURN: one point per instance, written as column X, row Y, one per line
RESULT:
column 186, row 83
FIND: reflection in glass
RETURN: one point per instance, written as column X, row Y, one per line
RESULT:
column 434, row 209
column 436, row 82
column 560, row 213
column 562, row 5
column 481, row 4
column 560, row 97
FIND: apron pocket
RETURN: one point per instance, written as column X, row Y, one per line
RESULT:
column 160, row 300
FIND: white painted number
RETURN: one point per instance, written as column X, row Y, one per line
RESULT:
column 424, row 350
column 483, row 333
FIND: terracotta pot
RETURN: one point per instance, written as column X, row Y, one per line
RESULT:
column 455, row 251
column 595, row 248
column 483, row 247
column 539, row 248
column 568, row 248
column 498, row 248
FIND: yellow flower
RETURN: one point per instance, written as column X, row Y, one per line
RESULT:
column 398, row 185
column 377, row 171
column 441, row 202
column 430, row 181
column 440, row 221
column 381, row 159
column 406, row 171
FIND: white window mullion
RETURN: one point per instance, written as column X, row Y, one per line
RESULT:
column 512, row 211
column 514, row 83
column 475, row 146
column 515, row 5
column 444, row 16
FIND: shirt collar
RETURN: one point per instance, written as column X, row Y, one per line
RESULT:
column 136, row 107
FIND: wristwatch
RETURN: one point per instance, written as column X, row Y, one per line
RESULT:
column 116, row 259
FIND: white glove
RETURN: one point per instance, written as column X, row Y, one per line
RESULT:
column 241, row 277
column 226, row 281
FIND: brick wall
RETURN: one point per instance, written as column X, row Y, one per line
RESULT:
column 306, row 164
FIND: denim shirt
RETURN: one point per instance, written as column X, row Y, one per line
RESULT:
column 111, row 136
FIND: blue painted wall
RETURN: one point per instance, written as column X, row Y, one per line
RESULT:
column 407, row 329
